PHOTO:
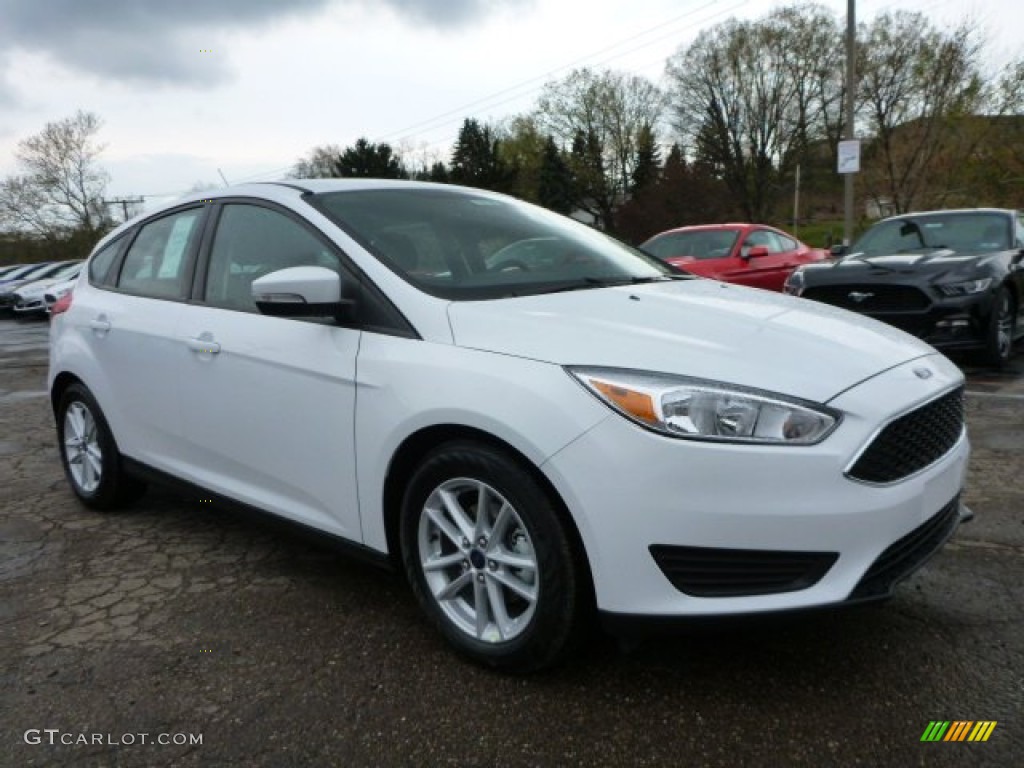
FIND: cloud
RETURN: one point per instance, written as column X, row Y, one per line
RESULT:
column 161, row 41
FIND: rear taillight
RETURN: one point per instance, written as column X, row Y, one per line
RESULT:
column 63, row 304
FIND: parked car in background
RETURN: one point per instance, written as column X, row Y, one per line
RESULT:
column 8, row 269
column 527, row 446
column 38, row 272
column 57, row 292
column 29, row 298
column 18, row 271
column 748, row 254
column 952, row 278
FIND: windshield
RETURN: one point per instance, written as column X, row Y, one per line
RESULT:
column 699, row 244
column 462, row 245
column 961, row 232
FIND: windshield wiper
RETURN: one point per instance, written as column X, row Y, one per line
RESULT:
column 589, row 282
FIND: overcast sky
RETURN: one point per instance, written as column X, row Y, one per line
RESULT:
column 187, row 87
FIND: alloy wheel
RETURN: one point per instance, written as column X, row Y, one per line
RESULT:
column 82, row 448
column 478, row 560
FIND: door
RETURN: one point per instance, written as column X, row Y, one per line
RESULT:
column 770, row 268
column 129, row 329
column 268, row 403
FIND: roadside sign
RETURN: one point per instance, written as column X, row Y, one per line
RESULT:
column 849, row 156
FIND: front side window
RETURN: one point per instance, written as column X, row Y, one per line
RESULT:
column 155, row 263
column 252, row 241
column 764, row 238
column 463, row 245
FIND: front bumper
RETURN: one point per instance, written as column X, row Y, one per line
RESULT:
column 948, row 323
column 630, row 490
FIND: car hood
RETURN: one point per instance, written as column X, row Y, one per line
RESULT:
column 699, row 328
column 929, row 264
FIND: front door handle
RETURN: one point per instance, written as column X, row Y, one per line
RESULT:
column 204, row 345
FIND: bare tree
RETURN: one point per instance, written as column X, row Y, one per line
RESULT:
column 62, row 188
column 744, row 99
column 609, row 110
column 320, row 163
column 916, row 82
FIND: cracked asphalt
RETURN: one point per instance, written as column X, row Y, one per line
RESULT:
column 177, row 618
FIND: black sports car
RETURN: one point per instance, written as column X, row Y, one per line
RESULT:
column 952, row 278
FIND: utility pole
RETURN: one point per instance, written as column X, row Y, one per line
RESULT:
column 124, row 202
column 851, row 84
column 796, row 202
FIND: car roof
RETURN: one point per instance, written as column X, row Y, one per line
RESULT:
column 285, row 191
column 944, row 212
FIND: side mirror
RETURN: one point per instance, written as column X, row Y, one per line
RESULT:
column 299, row 292
column 837, row 250
column 756, row 250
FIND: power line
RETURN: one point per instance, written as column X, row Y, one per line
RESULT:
column 460, row 112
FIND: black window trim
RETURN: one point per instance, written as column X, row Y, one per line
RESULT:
column 401, row 326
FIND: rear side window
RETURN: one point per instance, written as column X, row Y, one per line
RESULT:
column 100, row 263
column 155, row 264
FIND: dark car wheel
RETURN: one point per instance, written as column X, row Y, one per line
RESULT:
column 1001, row 329
column 489, row 559
column 89, row 454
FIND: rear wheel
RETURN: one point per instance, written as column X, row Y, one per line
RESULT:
column 1001, row 329
column 89, row 454
column 489, row 559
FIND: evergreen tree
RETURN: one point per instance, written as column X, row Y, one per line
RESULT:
column 556, row 183
column 369, row 160
column 476, row 159
column 439, row 173
column 591, row 188
column 648, row 159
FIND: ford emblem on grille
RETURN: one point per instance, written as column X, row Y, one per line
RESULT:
column 859, row 297
column 923, row 373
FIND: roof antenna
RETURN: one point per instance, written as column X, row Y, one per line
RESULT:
column 223, row 178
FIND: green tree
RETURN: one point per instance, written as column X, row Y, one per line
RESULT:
column 608, row 109
column 477, row 161
column 556, row 185
column 366, row 159
column 648, row 159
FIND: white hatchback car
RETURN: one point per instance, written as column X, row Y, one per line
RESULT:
column 597, row 430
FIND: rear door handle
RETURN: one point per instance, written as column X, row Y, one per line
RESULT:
column 204, row 346
column 100, row 324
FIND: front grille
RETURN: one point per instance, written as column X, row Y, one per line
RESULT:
column 713, row 572
column 913, row 441
column 908, row 554
column 870, row 298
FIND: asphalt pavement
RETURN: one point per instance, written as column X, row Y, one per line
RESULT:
column 176, row 622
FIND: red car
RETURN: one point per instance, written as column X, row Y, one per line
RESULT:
column 749, row 254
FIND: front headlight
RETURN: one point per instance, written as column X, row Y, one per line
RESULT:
column 965, row 288
column 794, row 284
column 698, row 409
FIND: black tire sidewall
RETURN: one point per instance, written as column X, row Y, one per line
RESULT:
column 995, row 356
column 549, row 634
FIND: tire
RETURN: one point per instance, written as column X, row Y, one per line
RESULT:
column 89, row 455
column 515, row 560
column 999, row 341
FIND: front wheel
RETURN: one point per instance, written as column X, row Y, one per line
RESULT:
column 489, row 559
column 1001, row 329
